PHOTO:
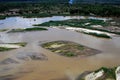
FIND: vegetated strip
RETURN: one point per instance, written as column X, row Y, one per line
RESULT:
column 97, row 35
column 27, row 29
column 109, row 73
column 69, row 49
column 79, row 23
column 2, row 30
column 7, row 46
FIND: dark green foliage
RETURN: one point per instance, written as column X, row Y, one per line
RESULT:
column 34, row 29
column 27, row 29
column 23, row 44
column 98, row 35
column 2, row 17
column 69, row 49
column 109, row 72
column 5, row 49
column 80, row 24
column 74, row 23
column 36, row 15
column 41, row 10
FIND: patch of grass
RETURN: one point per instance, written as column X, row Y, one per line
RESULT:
column 108, row 72
column 74, row 23
column 98, row 35
column 27, row 29
column 23, row 44
column 69, row 54
column 69, row 49
column 5, row 49
column 2, row 30
column 35, row 29
column 2, row 17
column 81, row 23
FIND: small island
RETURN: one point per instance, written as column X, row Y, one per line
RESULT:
column 69, row 49
column 11, row 46
column 101, row 74
column 27, row 29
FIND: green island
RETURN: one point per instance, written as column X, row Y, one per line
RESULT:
column 98, row 35
column 82, row 23
column 75, row 23
column 27, row 29
column 11, row 46
column 2, row 30
column 100, row 25
column 69, row 49
column 108, row 74
column 5, row 49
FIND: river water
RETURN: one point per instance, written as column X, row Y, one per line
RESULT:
column 56, row 67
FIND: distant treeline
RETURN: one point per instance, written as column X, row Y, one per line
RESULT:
column 39, row 10
column 67, row 1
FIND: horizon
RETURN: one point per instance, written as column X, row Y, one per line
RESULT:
column 68, row 1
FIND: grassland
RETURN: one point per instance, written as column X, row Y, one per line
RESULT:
column 82, row 23
column 11, row 46
column 98, row 35
column 69, row 49
column 23, row 44
column 2, row 30
column 27, row 30
column 2, row 49
column 74, row 23
column 109, row 74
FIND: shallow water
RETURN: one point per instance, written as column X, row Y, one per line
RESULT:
column 56, row 67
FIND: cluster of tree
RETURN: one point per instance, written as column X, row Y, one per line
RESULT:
column 61, row 9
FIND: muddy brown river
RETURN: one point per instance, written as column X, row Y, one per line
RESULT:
column 56, row 67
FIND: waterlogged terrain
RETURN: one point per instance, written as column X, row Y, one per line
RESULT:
column 33, row 62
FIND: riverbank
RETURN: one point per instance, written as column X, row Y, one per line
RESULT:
column 105, row 28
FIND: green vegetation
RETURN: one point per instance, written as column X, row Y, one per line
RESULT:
column 36, row 15
column 74, row 23
column 109, row 73
column 5, row 49
column 43, row 10
column 69, row 49
column 81, row 23
column 2, row 30
column 2, row 17
column 23, row 44
column 27, row 29
column 98, row 35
